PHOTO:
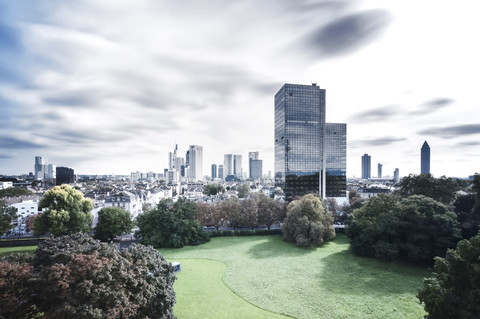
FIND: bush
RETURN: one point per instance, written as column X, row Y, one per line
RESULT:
column 454, row 290
column 79, row 277
column 308, row 222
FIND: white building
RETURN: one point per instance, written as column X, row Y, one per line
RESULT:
column 126, row 200
column 4, row 185
column 195, row 163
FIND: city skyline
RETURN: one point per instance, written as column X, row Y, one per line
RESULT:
column 108, row 88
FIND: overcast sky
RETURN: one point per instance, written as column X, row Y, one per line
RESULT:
column 111, row 86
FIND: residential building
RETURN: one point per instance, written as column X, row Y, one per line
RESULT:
column 366, row 166
column 425, row 159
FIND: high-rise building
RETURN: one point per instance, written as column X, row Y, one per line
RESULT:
column 65, row 175
column 40, row 167
column 300, row 141
column 221, row 174
column 425, row 159
column 379, row 167
column 255, row 165
column 195, row 167
column 366, row 166
column 396, row 175
column 336, row 159
column 214, row 171
column 228, row 164
column 237, row 166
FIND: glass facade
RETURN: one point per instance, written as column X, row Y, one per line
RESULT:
column 336, row 159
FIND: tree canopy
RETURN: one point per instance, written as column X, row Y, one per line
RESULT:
column 14, row 192
column 243, row 190
column 213, row 189
column 454, row 291
column 416, row 228
column 66, row 212
column 78, row 277
column 112, row 222
column 440, row 189
column 308, row 222
column 7, row 215
column 171, row 225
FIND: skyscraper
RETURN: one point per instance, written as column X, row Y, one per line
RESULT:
column 366, row 166
column 255, row 165
column 65, row 175
column 214, row 171
column 40, row 167
column 195, row 167
column 380, row 166
column 300, row 141
column 221, row 175
column 228, row 164
column 396, row 175
column 237, row 166
column 425, row 159
column 336, row 159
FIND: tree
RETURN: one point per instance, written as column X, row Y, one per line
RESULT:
column 440, row 189
column 454, row 291
column 217, row 215
column 250, row 214
column 268, row 211
column 202, row 213
column 213, row 189
column 7, row 215
column 233, row 212
column 308, row 222
column 243, row 190
column 171, row 225
column 76, row 276
column 466, row 216
column 66, row 212
column 112, row 222
column 416, row 228
column 14, row 192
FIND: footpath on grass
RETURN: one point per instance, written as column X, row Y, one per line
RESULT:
column 323, row 282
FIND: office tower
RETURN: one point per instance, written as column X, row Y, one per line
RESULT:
column 336, row 159
column 40, row 167
column 228, row 164
column 51, row 171
column 366, row 166
column 425, row 159
column 237, row 165
column 195, row 167
column 396, row 175
column 255, row 165
column 214, row 171
column 300, row 154
column 65, row 175
column 254, row 155
column 380, row 165
column 221, row 173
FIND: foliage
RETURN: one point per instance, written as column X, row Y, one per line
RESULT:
column 243, row 190
column 233, row 212
column 7, row 215
column 171, row 225
column 67, row 212
column 308, row 222
column 268, row 211
column 440, row 189
column 78, row 277
column 112, row 222
column 416, row 228
column 249, row 210
column 466, row 216
column 250, row 232
column 14, row 192
column 213, row 189
column 454, row 291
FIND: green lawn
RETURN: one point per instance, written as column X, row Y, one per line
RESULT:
column 21, row 249
column 324, row 282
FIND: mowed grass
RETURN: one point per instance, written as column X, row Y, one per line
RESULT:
column 324, row 282
column 21, row 249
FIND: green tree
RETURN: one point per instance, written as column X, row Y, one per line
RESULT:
column 78, row 277
column 112, row 222
column 213, row 189
column 243, row 190
column 454, row 290
column 7, row 215
column 232, row 210
column 171, row 225
column 464, row 208
column 66, row 212
column 440, row 189
column 268, row 211
column 14, row 192
column 308, row 222
column 416, row 228
column 250, row 212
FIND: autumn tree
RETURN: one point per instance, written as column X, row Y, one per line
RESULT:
column 268, row 211
column 112, row 222
column 76, row 276
column 203, row 213
column 66, row 212
column 249, row 211
column 233, row 212
column 308, row 222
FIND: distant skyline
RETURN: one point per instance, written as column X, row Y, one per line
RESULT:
column 109, row 87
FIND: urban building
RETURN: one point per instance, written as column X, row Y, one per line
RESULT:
column 396, row 175
column 65, row 175
column 379, row 168
column 300, row 142
column 214, row 171
column 40, row 167
column 336, row 159
column 221, row 173
column 237, row 166
column 195, row 165
column 255, row 165
column 228, row 164
column 425, row 159
column 366, row 166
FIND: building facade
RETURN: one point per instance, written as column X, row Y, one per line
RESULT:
column 336, row 159
column 366, row 166
column 195, row 167
column 214, row 171
column 379, row 170
column 65, row 175
column 40, row 167
column 300, row 142
column 425, row 159
column 237, row 166
column 228, row 164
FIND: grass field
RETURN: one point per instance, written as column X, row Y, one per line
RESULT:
column 22, row 249
column 324, row 282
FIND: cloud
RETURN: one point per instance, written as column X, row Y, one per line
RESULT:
column 8, row 142
column 379, row 114
column 349, row 33
column 469, row 143
column 452, row 131
column 73, row 99
column 433, row 106
column 381, row 141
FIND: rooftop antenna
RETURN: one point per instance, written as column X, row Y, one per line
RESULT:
column 314, row 83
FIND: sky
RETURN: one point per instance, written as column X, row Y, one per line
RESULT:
column 109, row 87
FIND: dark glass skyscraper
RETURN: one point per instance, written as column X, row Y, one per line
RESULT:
column 301, row 150
column 366, row 166
column 425, row 159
